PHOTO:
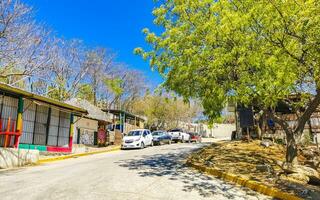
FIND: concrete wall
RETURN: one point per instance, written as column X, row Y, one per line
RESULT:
column 221, row 130
column 10, row 157
column 87, row 128
column 88, row 124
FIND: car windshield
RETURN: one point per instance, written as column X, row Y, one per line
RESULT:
column 134, row 133
column 175, row 130
column 157, row 133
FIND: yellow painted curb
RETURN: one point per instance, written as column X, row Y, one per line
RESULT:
column 254, row 185
column 46, row 160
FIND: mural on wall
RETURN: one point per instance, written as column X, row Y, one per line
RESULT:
column 101, row 137
column 86, row 137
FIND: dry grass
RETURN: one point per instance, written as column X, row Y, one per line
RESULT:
column 241, row 158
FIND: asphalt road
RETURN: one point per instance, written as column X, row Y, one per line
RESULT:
column 151, row 173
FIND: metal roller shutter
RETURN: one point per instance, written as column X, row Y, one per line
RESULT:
column 64, row 127
column 53, row 127
column 29, row 113
column 40, row 129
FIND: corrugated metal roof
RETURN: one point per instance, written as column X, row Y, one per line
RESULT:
column 19, row 92
column 117, row 112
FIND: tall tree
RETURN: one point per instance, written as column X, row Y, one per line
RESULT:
column 100, row 64
column 23, row 43
column 67, row 69
column 124, row 86
column 255, row 52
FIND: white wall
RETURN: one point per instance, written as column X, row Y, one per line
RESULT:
column 10, row 157
column 222, row 130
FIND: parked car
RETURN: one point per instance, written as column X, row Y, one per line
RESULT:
column 139, row 138
column 161, row 137
column 178, row 135
column 195, row 137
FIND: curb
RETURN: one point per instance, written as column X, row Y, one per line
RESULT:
column 254, row 185
column 53, row 159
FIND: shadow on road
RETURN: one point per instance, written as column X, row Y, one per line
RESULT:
column 171, row 166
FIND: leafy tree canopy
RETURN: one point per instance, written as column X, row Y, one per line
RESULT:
column 249, row 50
column 256, row 52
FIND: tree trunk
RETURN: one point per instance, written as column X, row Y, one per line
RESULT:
column 292, row 148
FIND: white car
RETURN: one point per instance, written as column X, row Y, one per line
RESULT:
column 139, row 138
column 178, row 135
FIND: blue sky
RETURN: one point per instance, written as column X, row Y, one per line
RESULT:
column 114, row 24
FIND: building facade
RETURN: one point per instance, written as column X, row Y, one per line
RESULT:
column 45, row 124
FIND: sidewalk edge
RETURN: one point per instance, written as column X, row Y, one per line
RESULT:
column 53, row 159
column 254, row 185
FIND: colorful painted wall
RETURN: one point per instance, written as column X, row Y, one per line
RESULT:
column 43, row 127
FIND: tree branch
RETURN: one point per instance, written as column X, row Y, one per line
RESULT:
column 313, row 105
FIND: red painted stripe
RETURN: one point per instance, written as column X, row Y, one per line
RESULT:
column 59, row 149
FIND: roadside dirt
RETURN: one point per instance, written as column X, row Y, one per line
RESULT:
column 255, row 162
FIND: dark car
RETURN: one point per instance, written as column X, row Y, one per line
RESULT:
column 161, row 137
column 195, row 137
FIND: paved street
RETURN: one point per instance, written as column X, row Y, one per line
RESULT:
column 151, row 173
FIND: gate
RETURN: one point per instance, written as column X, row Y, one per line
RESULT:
column 10, row 133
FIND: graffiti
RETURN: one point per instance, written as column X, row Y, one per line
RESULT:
column 86, row 137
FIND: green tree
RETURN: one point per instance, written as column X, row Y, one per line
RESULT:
column 86, row 92
column 254, row 52
column 164, row 111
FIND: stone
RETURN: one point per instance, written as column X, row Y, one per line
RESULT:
column 296, row 178
column 266, row 143
column 309, row 154
column 208, row 163
column 314, row 164
column 314, row 176
column 264, row 168
column 308, row 171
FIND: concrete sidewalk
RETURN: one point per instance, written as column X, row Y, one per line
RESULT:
column 91, row 151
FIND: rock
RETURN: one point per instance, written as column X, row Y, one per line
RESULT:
column 296, row 177
column 264, row 168
column 308, row 171
column 266, row 143
column 314, row 164
column 309, row 154
column 304, row 192
column 314, row 176
column 299, row 177
column 208, row 163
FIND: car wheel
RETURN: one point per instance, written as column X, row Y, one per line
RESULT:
column 142, row 145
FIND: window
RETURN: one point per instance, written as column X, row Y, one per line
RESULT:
column 145, row 133
column 134, row 133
